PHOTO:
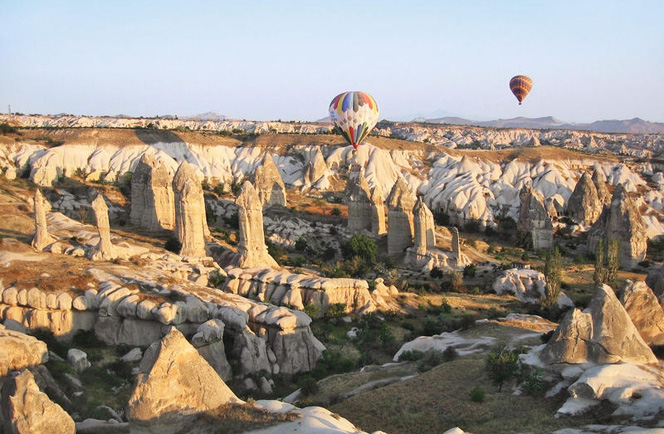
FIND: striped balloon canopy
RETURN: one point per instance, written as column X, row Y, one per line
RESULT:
column 354, row 115
column 520, row 86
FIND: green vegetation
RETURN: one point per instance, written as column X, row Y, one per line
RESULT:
column 553, row 275
column 502, row 365
column 477, row 394
column 607, row 262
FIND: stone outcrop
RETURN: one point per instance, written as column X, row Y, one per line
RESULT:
column 27, row 410
column 461, row 260
column 645, row 311
column 174, row 382
column 360, row 212
column 425, row 237
column 378, row 224
column 621, row 221
column 209, row 341
column 584, row 205
column 527, row 285
column 44, row 176
column 283, row 288
column 655, row 280
column 42, row 238
column 603, row 333
column 251, row 250
column 603, row 194
column 269, row 185
column 152, row 199
column 190, row 223
column 400, row 203
column 316, row 168
column 18, row 351
column 534, row 220
column 104, row 249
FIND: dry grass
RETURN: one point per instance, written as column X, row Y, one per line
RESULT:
column 439, row 400
column 235, row 418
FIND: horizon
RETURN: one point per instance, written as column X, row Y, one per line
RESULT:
column 600, row 61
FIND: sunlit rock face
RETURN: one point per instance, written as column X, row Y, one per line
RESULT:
column 104, row 250
column 152, row 199
column 584, row 205
column 400, row 219
column 622, row 221
column 190, row 223
column 534, row 220
column 603, row 333
column 42, row 238
column 269, row 185
column 252, row 250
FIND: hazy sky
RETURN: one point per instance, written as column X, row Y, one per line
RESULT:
column 272, row 59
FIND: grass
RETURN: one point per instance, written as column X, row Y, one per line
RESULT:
column 234, row 419
column 441, row 399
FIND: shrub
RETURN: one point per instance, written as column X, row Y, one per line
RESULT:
column 477, row 394
column 216, row 279
column 301, row 244
column 469, row 270
column 411, row 356
column 308, row 385
column 361, row 246
column 173, row 245
column 472, row 225
column 533, row 382
column 433, row 358
column 502, row 365
column 553, row 276
column 436, row 273
column 312, row 310
column 336, row 211
column 336, row 310
column 87, row 338
column 122, row 370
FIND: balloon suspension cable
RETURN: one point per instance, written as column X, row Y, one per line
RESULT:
column 519, row 103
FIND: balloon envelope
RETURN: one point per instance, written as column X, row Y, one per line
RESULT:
column 354, row 115
column 520, row 86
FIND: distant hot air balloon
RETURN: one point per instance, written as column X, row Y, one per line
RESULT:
column 520, row 86
column 354, row 115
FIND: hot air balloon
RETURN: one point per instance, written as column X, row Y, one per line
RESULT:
column 520, row 86
column 354, row 115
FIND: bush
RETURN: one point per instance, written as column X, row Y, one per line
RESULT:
column 336, row 310
column 301, row 244
column 411, row 356
column 472, row 225
column 361, row 246
column 469, row 270
column 173, row 245
column 87, row 339
column 477, row 394
column 436, row 273
column 433, row 358
column 502, row 365
column 533, row 382
column 336, row 211
column 312, row 310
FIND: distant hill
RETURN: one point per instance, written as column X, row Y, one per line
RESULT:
column 207, row 116
column 631, row 126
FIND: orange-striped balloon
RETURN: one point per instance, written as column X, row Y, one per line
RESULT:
column 520, row 86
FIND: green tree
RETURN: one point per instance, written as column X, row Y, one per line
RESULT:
column 553, row 275
column 612, row 262
column 599, row 275
column 361, row 246
column 502, row 365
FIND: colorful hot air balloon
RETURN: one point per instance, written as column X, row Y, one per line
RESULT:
column 520, row 86
column 354, row 115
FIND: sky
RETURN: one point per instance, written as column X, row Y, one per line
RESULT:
column 269, row 60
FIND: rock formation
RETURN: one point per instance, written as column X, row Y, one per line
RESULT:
column 252, row 250
column 26, row 410
column 209, row 342
column 174, row 382
column 152, row 199
column 603, row 194
column 400, row 218
column 424, row 228
column 19, row 351
column 655, row 280
column 645, row 311
column 190, row 223
column 268, row 183
column 378, row 226
column 621, row 221
column 584, row 205
column 316, row 168
column 360, row 212
column 534, row 220
column 103, row 250
column 528, row 286
column 460, row 259
column 603, row 333
column 42, row 238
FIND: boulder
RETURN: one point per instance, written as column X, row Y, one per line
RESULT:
column 655, row 280
column 645, row 311
column 25, row 409
column 175, row 382
column 78, row 360
column 18, row 351
column 603, row 333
